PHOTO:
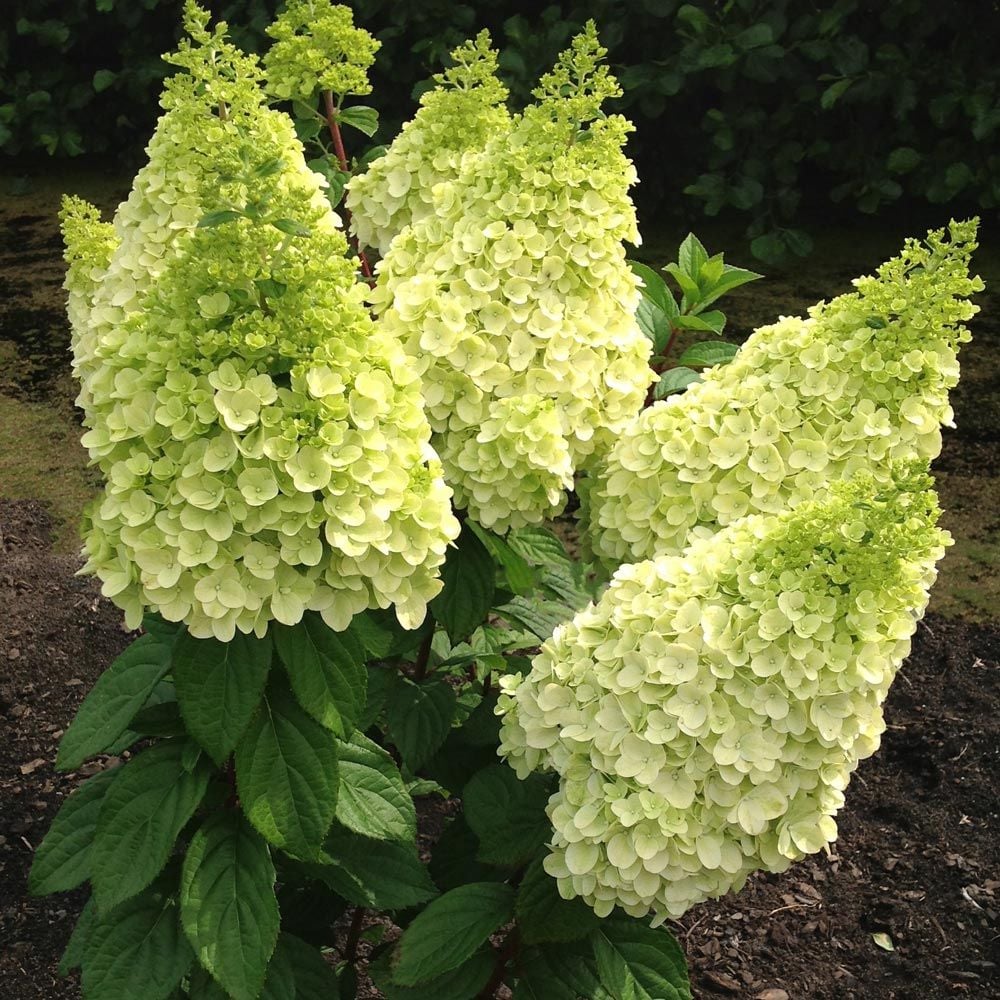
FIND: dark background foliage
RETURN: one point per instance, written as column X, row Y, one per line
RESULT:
column 767, row 109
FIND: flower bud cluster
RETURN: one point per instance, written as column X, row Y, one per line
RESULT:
column 317, row 47
column 457, row 116
column 262, row 441
column 517, row 306
column 705, row 715
column 862, row 382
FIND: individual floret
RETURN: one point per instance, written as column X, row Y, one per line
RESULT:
column 515, row 297
column 704, row 717
column 263, row 442
column 317, row 47
column 457, row 116
column 861, row 382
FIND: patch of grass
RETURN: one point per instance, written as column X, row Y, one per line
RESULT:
column 41, row 459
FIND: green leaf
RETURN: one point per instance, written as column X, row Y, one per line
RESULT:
column 362, row 118
column 540, row 617
column 103, row 79
column 469, row 586
column 464, row 982
column 833, row 93
column 673, row 381
column 219, row 685
column 450, row 929
column 114, row 700
column 370, row 156
column 657, row 308
column 652, row 957
column 203, row 987
column 454, row 859
column 688, row 286
column 565, row 583
column 279, row 983
column 732, row 277
column 544, row 917
column 286, row 774
column 228, row 907
column 708, row 353
column 540, row 546
column 270, row 288
column 559, row 972
column 291, row 227
column 62, row 860
column 314, row 978
column 420, row 718
column 903, row 159
column 373, row 800
column 159, row 719
column 147, row 805
column 269, row 167
column 381, row 681
column 507, row 814
column 691, row 256
column 212, row 219
column 518, row 574
column 712, row 322
column 380, row 874
column 137, row 950
column 79, row 940
column 327, row 671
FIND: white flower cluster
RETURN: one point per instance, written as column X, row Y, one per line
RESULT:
column 517, row 305
column 457, row 116
column 263, row 443
column 863, row 381
column 704, row 716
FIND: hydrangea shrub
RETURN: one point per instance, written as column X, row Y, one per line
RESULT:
column 322, row 631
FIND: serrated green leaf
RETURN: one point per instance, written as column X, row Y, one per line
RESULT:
column 688, row 285
column 453, row 857
column 559, row 972
column 673, row 381
column 161, row 719
column 219, row 686
column 362, row 118
column 228, row 908
column 653, row 958
column 507, row 814
column 465, row 982
column 450, row 930
column 314, row 978
column 287, row 774
column 708, row 353
column 469, row 586
column 540, row 617
column 144, row 809
column 212, row 219
column 62, row 860
column 78, row 942
column 269, row 167
column 420, row 718
column 137, row 950
column 544, row 917
column 203, row 987
column 291, row 227
column 656, row 308
column 370, row 156
column 565, row 583
column 707, row 323
column 833, row 93
column 519, row 575
column 279, row 983
column 380, row 874
column 270, row 288
column 539, row 546
column 327, row 671
column 114, row 700
column 732, row 277
column 692, row 255
column 373, row 799
column 381, row 681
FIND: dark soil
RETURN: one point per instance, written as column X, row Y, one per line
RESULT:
column 918, row 860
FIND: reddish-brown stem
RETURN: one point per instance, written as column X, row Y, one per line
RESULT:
column 657, row 370
column 233, row 802
column 338, row 148
column 507, row 951
column 423, row 656
column 354, row 936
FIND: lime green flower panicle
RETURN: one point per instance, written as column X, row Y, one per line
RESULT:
column 317, row 47
column 457, row 116
column 862, row 381
column 263, row 443
column 705, row 716
column 518, row 307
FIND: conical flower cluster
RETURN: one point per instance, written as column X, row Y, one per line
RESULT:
column 862, row 382
column 516, row 303
column 456, row 117
column 263, row 443
column 704, row 717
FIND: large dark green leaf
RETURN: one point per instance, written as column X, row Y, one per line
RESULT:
column 137, row 950
column 450, row 930
column 228, row 907
column 76, row 947
column 540, row 617
column 657, row 307
column 116, row 697
column 327, row 671
column 146, row 806
column 286, row 774
column 373, row 800
column 468, row 576
column 516, row 570
column 465, row 982
column 559, row 972
column 507, row 814
column 420, row 717
column 543, row 916
column 314, row 978
column 62, row 861
column 219, row 685
column 649, row 962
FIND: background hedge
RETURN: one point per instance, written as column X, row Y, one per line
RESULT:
column 760, row 107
